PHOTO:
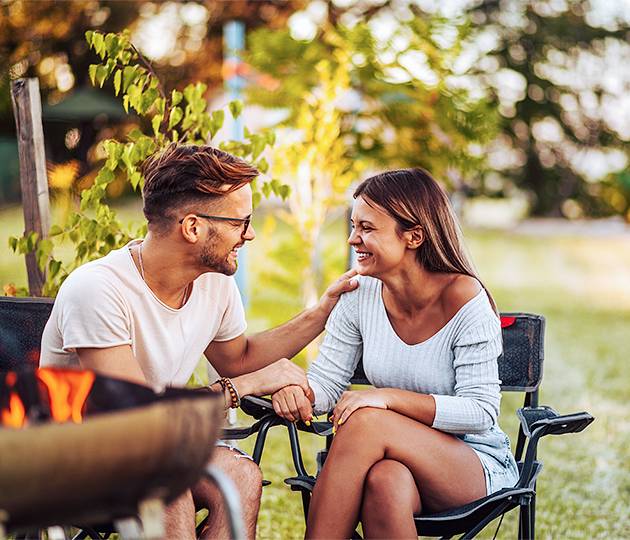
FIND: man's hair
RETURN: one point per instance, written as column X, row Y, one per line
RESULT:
column 185, row 174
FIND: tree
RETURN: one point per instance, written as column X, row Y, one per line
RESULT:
column 350, row 106
column 172, row 115
column 560, row 62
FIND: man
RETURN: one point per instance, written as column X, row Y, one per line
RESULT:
column 148, row 311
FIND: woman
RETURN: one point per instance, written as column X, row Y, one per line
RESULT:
column 426, row 437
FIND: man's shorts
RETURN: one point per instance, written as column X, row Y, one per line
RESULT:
column 238, row 452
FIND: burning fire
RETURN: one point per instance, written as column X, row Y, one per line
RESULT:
column 67, row 392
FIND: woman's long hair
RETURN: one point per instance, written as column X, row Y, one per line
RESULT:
column 413, row 198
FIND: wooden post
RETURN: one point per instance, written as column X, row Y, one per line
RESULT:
column 27, row 110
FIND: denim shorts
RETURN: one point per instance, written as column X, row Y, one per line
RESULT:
column 493, row 449
column 498, row 476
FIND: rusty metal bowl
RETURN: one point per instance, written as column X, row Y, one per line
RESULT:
column 98, row 471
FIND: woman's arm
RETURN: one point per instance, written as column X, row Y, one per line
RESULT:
column 474, row 407
column 333, row 368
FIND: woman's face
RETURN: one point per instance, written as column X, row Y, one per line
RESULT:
column 378, row 245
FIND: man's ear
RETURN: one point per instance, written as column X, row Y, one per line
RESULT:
column 415, row 237
column 190, row 229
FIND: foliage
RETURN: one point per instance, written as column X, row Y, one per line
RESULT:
column 41, row 38
column 346, row 111
column 175, row 116
column 314, row 162
column 563, row 59
column 402, row 108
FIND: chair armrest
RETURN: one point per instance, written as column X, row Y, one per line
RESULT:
column 541, row 421
column 256, row 406
column 530, row 415
column 566, row 423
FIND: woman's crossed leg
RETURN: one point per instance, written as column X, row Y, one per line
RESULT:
column 382, row 468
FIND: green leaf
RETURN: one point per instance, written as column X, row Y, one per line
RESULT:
column 117, row 81
column 13, row 242
column 129, row 74
column 31, row 240
column 99, row 44
column 285, row 191
column 175, row 117
column 104, row 177
column 135, row 135
column 256, row 198
column 160, row 105
column 134, row 179
column 258, row 145
column 88, row 37
column 176, row 97
column 55, row 230
column 112, row 44
column 236, row 107
column 262, row 165
column 101, row 75
column 53, row 268
column 148, row 99
column 156, row 122
column 266, row 189
column 92, row 73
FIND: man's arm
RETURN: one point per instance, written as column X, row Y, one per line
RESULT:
column 246, row 354
column 116, row 362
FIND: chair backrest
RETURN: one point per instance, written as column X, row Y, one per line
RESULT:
column 521, row 364
column 22, row 322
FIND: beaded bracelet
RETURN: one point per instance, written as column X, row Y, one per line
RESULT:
column 235, row 399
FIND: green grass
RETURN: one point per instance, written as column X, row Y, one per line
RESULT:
column 581, row 285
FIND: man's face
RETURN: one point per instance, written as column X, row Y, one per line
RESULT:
column 219, row 253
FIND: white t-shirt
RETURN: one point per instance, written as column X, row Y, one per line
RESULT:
column 106, row 303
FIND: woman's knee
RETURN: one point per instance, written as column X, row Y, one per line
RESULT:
column 390, row 484
column 365, row 420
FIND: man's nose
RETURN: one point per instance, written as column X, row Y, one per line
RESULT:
column 250, row 233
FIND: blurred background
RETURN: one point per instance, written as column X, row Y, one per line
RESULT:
column 520, row 107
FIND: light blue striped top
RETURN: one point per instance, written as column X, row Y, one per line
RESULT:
column 457, row 365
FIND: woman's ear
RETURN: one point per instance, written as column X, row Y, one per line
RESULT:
column 415, row 237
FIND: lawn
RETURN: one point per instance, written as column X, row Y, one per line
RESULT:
column 581, row 285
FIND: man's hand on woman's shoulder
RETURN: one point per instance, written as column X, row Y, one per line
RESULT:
column 344, row 284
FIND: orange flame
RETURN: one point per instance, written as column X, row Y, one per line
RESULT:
column 14, row 416
column 68, row 391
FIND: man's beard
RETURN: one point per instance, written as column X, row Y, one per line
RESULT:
column 210, row 258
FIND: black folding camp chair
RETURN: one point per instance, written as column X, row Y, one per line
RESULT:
column 22, row 322
column 521, row 370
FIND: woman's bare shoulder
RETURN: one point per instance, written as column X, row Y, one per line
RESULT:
column 460, row 290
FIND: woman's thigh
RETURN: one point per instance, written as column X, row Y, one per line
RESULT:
column 447, row 472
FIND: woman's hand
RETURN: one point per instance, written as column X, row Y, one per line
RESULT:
column 352, row 400
column 292, row 403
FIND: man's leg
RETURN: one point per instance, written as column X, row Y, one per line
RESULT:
column 247, row 478
column 179, row 518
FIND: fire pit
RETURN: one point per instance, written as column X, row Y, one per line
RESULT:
column 79, row 448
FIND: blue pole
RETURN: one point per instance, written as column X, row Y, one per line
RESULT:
column 233, row 46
